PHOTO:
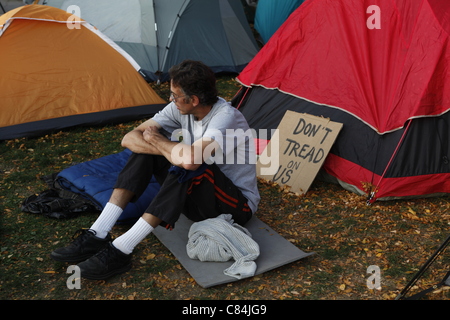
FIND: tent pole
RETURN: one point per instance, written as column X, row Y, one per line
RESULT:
column 371, row 197
column 423, row 269
column 243, row 98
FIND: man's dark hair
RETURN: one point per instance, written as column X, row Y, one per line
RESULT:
column 195, row 78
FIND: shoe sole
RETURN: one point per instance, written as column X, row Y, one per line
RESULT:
column 107, row 275
column 73, row 260
column 62, row 258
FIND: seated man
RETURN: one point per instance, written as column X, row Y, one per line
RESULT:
column 210, row 172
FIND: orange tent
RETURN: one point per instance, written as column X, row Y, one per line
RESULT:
column 58, row 71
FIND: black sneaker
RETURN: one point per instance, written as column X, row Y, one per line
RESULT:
column 108, row 262
column 84, row 246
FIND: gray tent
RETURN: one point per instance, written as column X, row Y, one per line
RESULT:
column 161, row 33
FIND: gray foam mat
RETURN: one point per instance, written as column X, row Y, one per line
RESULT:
column 275, row 251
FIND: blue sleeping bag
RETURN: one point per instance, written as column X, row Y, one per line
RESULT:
column 95, row 180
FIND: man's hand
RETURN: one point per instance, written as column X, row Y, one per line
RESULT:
column 135, row 141
column 153, row 136
column 189, row 157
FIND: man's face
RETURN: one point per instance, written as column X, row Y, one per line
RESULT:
column 182, row 101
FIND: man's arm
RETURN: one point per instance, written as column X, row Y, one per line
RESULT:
column 147, row 139
column 189, row 157
column 134, row 140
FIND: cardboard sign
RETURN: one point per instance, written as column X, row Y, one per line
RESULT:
column 297, row 150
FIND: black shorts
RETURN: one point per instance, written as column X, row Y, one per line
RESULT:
column 206, row 195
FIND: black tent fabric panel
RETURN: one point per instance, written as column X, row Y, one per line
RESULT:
column 425, row 149
column 420, row 153
column 356, row 142
column 38, row 128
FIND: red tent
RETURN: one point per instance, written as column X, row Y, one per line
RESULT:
column 380, row 67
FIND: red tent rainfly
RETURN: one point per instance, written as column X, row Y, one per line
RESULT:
column 380, row 67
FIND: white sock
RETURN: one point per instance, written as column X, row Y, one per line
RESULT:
column 106, row 220
column 132, row 237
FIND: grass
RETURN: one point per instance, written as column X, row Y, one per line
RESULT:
column 347, row 235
